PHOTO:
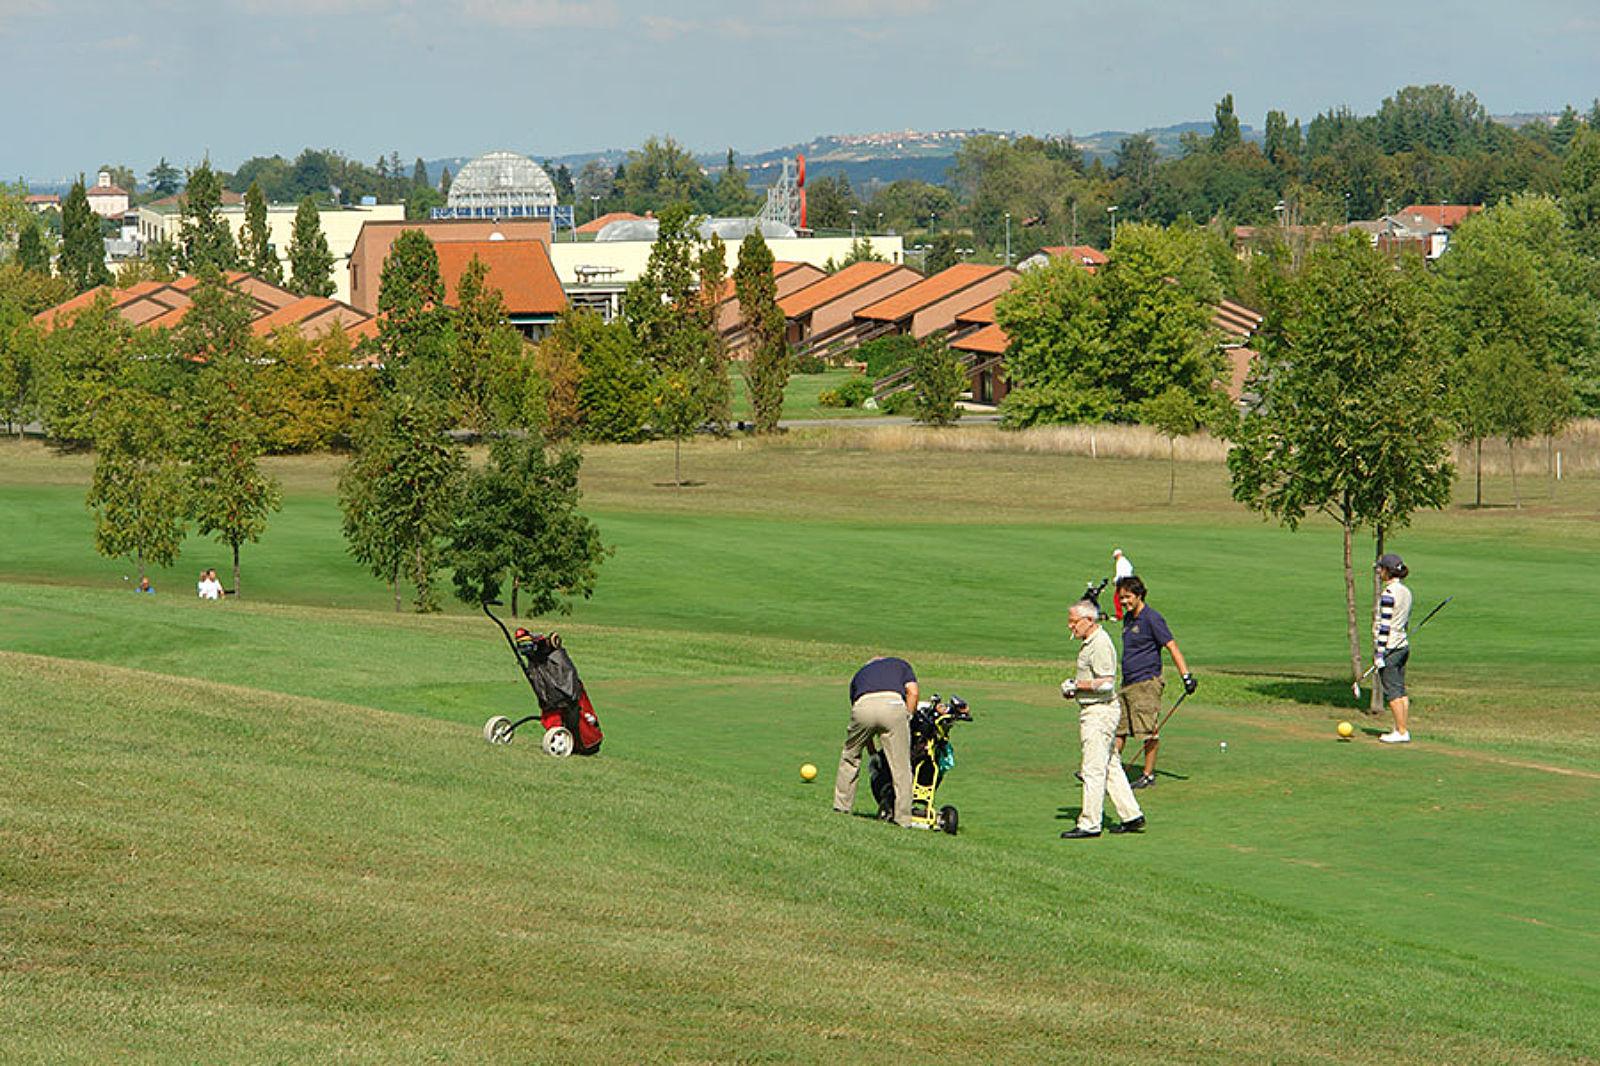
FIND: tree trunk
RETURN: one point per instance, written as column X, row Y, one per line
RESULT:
column 236, row 568
column 1478, row 502
column 1511, row 457
column 394, row 586
column 516, row 587
column 1172, row 468
column 1376, row 704
column 1550, row 463
column 677, row 462
column 139, row 556
column 1350, row 600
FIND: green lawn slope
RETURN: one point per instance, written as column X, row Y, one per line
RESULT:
column 269, row 830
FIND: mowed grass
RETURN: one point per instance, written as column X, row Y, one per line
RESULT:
column 270, row 830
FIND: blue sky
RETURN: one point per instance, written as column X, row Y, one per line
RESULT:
column 131, row 82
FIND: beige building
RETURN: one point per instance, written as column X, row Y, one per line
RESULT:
column 341, row 226
column 105, row 199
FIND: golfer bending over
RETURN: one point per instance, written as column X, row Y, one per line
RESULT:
column 1144, row 634
column 1390, row 645
column 883, row 696
column 1095, row 688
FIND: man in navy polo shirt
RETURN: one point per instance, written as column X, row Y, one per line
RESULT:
column 883, row 696
column 1144, row 634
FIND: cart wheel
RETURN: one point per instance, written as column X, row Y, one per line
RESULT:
column 497, row 730
column 558, row 741
column 949, row 819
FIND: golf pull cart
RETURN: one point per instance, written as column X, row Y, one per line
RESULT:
column 932, row 757
column 565, row 713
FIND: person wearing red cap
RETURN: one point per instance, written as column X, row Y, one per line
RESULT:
column 1390, row 645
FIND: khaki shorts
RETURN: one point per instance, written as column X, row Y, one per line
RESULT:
column 1142, row 699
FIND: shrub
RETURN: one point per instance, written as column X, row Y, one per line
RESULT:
column 830, row 398
column 809, row 364
column 855, row 391
column 886, row 355
column 1049, row 405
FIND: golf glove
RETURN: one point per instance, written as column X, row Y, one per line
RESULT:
column 1069, row 689
column 1189, row 684
column 1377, row 661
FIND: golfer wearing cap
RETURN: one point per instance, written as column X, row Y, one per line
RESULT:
column 1390, row 646
column 1094, row 686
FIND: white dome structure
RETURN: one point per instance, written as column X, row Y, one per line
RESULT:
column 501, row 185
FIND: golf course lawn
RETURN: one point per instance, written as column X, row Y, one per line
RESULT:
column 269, row 830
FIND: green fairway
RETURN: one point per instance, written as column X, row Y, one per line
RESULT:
column 269, row 830
column 800, row 397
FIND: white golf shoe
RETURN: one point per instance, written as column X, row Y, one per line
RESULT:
column 1395, row 738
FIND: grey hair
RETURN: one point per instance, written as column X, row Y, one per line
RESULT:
column 1084, row 609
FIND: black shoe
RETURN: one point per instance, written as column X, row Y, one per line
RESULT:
column 1078, row 834
column 1078, row 774
column 1132, row 825
column 1142, row 781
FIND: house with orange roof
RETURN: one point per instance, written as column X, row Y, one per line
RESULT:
column 163, row 304
column 818, row 311
column 982, row 345
column 376, row 236
column 1091, row 259
column 789, row 276
column 522, row 272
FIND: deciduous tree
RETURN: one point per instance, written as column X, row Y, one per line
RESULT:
column 399, row 494
column 519, row 519
column 1350, row 419
column 138, row 490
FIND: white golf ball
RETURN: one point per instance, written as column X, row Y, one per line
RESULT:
column 1223, row 746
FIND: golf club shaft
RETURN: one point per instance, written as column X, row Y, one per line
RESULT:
column 1170, row 712
column 1425, row 620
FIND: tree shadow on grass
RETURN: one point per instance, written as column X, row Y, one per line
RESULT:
column 686, row 484
column 1306, row 689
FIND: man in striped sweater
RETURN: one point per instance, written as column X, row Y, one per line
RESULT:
column 1390, row 648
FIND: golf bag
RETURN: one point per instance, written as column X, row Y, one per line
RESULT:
column 932, row 757
column 570, row 725
column 563, row 701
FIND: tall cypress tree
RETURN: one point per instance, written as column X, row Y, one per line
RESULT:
column 310, row 262
column 31, row 252
column 255, row 242
column 83, row 250
column 204, row 238
column 767, row 370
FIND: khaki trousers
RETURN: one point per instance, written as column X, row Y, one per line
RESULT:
column 1102, row 769
column 877, row 714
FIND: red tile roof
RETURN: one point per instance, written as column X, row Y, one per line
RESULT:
column 598, row 224
column 162, row 305
column 990, row 340
column 1082, row 254
column 41, row 198
column 929, row 291
column 983, row 314
column 521, row 270
column 1445, row 216
column 1236, row 320
column 106, row 190
column 780, row 267
column 830, row 288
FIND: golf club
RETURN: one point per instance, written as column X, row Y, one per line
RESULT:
column 1355, row 686
column 1170, row 712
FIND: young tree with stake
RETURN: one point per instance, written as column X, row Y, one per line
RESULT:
column 1349, row 420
